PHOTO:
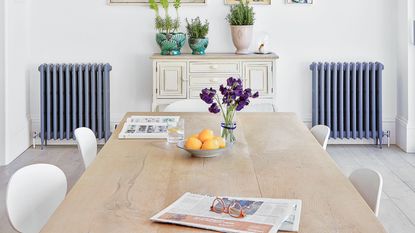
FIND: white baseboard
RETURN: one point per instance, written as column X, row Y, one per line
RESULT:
column 388, row 124
column 35, row 121
column 405, row 135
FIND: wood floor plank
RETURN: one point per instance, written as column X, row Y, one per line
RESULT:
column 397, row 190
column 393, row 218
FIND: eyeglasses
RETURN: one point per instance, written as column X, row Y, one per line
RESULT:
column 234, row 209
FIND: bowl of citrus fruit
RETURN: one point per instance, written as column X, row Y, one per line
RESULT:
column 204, row 145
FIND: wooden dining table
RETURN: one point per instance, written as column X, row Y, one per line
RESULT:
column 275, row 156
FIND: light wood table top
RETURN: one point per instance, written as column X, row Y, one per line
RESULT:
column 275, row 157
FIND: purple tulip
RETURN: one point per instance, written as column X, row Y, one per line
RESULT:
column 214, row 108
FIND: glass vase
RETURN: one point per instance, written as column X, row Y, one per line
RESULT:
column 228, row 132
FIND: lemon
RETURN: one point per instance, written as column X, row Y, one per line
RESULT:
column 205, row 135
column 210, row 144
column 193, row 144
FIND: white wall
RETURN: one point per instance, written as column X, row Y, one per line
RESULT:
column 2, row 75
column 17, row 90
column 332, row 30
column 405, row 122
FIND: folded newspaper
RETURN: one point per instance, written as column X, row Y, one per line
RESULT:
column 147, row 127
column 263, row 215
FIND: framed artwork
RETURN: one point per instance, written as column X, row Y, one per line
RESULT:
column 145, row 2
column 257, row 2
column 300, row 1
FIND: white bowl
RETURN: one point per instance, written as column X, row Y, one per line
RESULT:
column 202, row 153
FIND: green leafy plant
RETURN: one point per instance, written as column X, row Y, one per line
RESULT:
column 166, row 24
column 196, row 29
column 241, row 14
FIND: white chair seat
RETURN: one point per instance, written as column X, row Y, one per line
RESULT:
column 33, row 194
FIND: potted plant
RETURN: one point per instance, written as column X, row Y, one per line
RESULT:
column 233, row 98
column 169, row 40
column 197, row 32
column 241, row 18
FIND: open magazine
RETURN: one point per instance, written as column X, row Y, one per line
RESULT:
column 263, row 215
column 147, row 126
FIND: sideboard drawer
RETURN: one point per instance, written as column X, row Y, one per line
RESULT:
column 209, row 80
column 214, row 67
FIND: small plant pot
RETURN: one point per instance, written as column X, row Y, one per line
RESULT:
column 172, row 43
column 242, row 37
column 198, row 45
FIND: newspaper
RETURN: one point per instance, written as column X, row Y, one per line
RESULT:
column 147, row 126
column 263, row 215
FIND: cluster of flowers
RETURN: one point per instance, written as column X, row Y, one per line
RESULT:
column 233, row 96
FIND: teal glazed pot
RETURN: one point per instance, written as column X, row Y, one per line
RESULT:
column 172, row 43
column 198, row 45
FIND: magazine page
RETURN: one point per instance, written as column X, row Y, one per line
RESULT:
column 142, row 130
column 137, row 127
column 153, row 119
column 262, row 215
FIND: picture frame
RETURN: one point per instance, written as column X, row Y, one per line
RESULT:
column 146, row 2
column 252, row 2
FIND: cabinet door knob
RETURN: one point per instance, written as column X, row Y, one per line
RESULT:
column 214, row 80
column 214, row 67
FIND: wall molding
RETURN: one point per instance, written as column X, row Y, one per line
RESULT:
column 405, row 134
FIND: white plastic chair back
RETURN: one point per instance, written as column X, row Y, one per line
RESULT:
column 33, row 194
column 87, row 144
column 263, row 107
column 369, row 184
column 321, row 133
column 193, row 105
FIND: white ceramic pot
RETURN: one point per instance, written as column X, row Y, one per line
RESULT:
column 242, row 37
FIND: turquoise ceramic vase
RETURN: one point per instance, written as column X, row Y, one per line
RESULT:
column 198, row 45
column 172, row 43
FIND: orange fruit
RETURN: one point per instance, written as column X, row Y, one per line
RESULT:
column 193, row 144
column 210, row 144
column 194, row 136
column 205, row 135
column 221, row 141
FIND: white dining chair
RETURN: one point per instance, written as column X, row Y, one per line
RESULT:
column 259, row 107
column 191, row 105
column 369, row 184
column 196, row 105
column 87, row 144
column 33, row 194
column 321, row 133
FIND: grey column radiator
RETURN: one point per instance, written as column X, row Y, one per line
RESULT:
column 73, row 96
column 347, row 97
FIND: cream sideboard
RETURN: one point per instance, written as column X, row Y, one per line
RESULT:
column 183, row 77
